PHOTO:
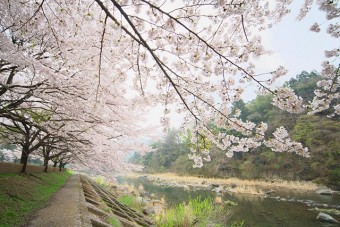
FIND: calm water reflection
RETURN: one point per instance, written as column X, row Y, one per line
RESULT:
column 254, row 210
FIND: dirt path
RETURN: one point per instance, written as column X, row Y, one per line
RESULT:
column 65, row 208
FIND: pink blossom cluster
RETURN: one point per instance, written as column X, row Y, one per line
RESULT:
column 285, row 99
column 282, row 143
column 328, row 90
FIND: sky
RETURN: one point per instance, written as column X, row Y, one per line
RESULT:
column 293, row 46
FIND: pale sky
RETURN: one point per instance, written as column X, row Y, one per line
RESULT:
column 296, row 47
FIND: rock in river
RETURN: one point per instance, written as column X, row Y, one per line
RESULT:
column 269, row 192
column 324, row 191
column 217, row 190
column 215, row 185
column 326, row 218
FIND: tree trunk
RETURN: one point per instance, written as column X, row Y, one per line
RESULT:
column 45, row 164
column 55, row 164
column 60, row 165
column 24, row 158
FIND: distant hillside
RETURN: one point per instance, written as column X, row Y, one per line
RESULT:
column 318, row 132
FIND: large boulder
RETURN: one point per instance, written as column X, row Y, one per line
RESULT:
column 326, row 218
column 143, row 177
column 142, row 200
column 149, row 210
column 217, row 190
column 324, row 191
column 269, row 192
column 157, row 209
column 215, row 185
column 218, row 200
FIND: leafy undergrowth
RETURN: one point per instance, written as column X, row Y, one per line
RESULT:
column 22, row 194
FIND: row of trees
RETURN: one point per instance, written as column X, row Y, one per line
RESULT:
column 55, row 122
column 319, row 133
column 74, row 72
column 53, row 106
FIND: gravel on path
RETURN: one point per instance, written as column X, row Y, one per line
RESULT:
column 67, row 207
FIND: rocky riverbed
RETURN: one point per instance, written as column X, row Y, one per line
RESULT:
column 289, row 194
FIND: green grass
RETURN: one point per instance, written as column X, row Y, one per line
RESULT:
column 238, row 224
column 197, row 212
column 114, row 222
column 101, row 181
column 127, row 200
column 131, row 202
column 202, row 208
column 22, row 194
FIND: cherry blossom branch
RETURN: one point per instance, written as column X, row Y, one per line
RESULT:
column 244, row 30
column 100, row 55
column 139, row 73
column 145, row 44
column 34, row 14
column 107, row 12
column 208, row 45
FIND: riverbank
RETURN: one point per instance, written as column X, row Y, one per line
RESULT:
column 259, row 203
column 255, row 187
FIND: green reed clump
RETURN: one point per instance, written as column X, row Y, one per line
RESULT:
column 131, row 202
column 114, row 222
column 198, row 212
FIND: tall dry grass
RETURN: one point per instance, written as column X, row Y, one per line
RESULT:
column 238, row 185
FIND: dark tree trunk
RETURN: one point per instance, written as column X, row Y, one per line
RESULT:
column 55, row 164
column 24, row 158
column 60, row 165
column 45, row 164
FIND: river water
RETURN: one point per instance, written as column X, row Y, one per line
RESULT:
column 254, row 210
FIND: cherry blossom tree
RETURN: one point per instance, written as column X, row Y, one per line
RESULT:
column 25, row 134
column 196, row 55
column 75, row 106
column 202, row 48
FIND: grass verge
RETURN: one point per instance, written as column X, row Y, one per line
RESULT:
column 22, row 194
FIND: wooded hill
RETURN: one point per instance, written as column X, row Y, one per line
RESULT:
column 318, row 132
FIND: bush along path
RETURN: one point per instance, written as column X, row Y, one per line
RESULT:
column 23, row 194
